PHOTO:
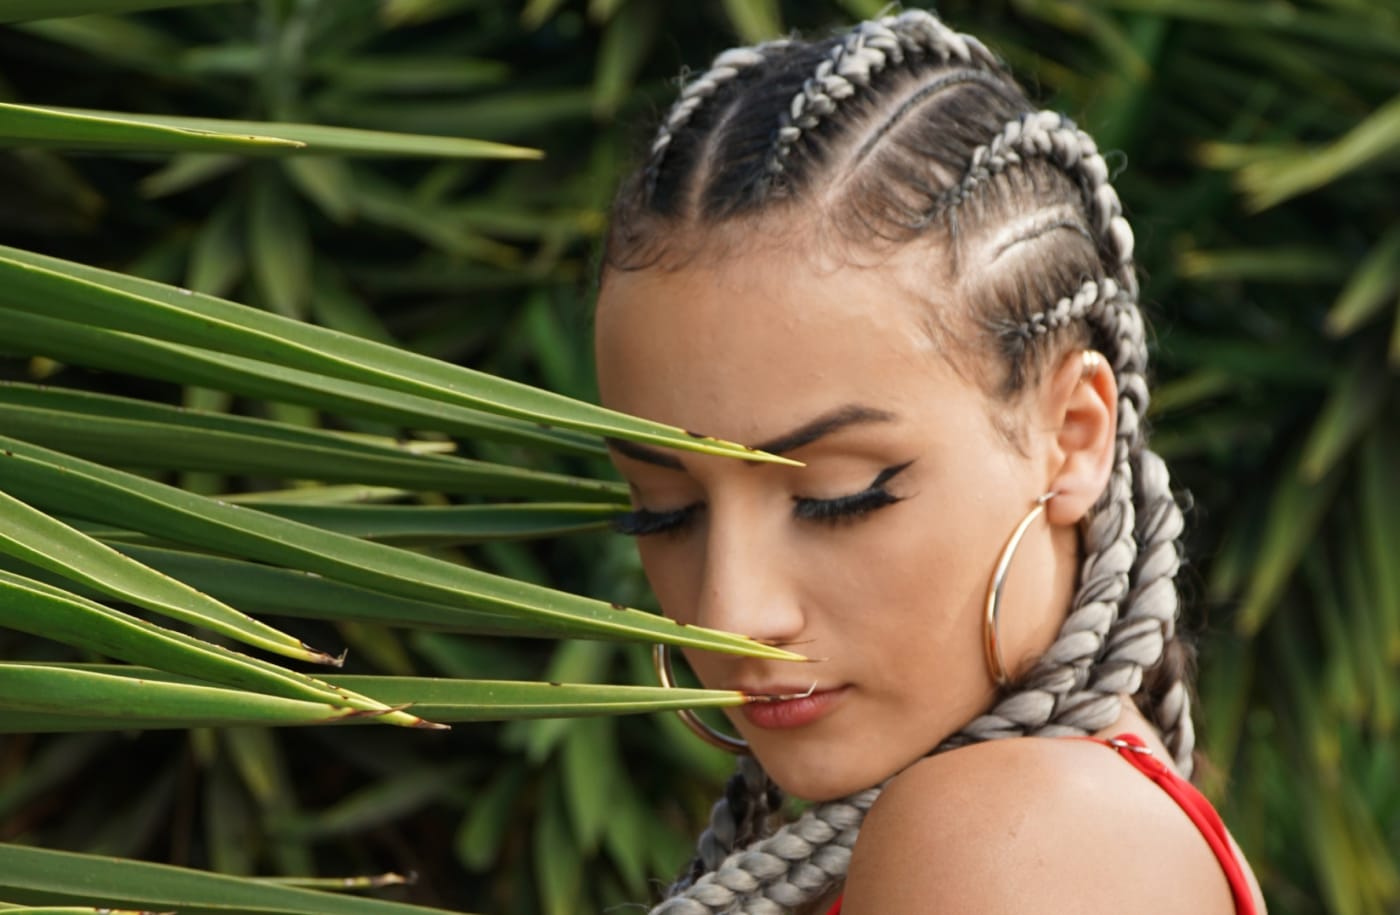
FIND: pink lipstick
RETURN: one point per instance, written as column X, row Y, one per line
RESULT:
column 795, row 709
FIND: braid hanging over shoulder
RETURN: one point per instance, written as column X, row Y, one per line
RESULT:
column 931, row 150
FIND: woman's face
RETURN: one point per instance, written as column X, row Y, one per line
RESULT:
column 875, row 555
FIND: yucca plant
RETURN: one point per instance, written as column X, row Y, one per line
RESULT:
column 1260, row 139
column 148, row 582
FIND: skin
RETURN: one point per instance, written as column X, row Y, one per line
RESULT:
column 891, row 601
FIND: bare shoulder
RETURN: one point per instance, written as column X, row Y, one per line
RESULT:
column 1030, row 825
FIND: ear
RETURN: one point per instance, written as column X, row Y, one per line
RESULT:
column 1080, row 411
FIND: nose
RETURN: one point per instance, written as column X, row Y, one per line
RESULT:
column 751, row 583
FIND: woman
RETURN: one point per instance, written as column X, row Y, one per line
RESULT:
column 872, row 255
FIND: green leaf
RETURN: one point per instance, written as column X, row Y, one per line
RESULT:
column 327, row 181
column 379, row 804
column 33, row 875
column 1295, row 512
column 69, row 291
column 339, row 884
column 627, row 41
column 83, row 128
column 49, row 544
column 32, row 694
column 156, row 436
column 1380, row 518
column 187, row 171
column 1356, row 398
column 279, row 246
column 50, row 767
column 387, row 205
column 448, row 525
column 85, row 490
column 217, row 258
column 557, row 861
column 410, row 73
column 302, row 595
column 30, row 125
column 448, row 700
column 535, row 14
column 493, row 810
column 754, row 20
column 22, row 10
column 591, row 771
column 1278, row 264
column 1371, row 142
column 39, row 609
column 1371, row 283
column 76, row 344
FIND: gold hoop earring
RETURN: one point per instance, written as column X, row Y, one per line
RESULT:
column 991, row 638
column 661, row 660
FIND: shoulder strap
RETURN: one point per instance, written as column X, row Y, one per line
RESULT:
column 1134, row 750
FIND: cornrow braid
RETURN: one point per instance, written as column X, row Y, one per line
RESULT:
column 851, row 64
column 726, row 65
column 1053, row 136
column 944, row 155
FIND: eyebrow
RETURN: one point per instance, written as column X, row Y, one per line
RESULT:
column 806, row 434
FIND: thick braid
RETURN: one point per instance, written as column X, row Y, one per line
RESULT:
column 795, row 865
column 1061, row 696
column 735, row 819
column 727, row 65
column 1124, row 611
column 866, row 51
column 1160, row 525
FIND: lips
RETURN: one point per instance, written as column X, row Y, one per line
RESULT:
column 806, row 707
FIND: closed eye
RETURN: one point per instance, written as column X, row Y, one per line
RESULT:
column 851, row 507
column 642, row 522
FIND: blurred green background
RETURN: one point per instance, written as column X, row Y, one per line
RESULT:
column 1258, row 145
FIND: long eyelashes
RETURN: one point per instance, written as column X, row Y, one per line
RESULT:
column 843, row 508
column 642, row 522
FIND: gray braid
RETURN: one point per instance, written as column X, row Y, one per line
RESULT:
column 1124, row 610
column 864, row 52
column 736, row 819
column 1101, row 650
column 1160, row 525
column 726, row 65
column 1051, row 135
column 795, row 865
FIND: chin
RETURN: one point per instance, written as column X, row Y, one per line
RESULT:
column 814, row 775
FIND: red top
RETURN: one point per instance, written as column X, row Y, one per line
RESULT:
column 1131, row 748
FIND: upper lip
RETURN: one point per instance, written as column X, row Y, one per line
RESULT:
column 785, row 689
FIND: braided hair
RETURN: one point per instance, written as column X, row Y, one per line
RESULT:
column 903, row 129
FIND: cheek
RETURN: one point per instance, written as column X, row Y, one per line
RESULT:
column 909, row 584
column 674, row 569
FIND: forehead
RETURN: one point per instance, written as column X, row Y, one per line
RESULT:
column 745, row 346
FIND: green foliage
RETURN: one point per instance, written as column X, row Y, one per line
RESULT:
column 331, row 473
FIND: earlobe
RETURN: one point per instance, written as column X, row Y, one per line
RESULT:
column 1082, row 405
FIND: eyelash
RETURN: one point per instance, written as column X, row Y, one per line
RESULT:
column 842, row 509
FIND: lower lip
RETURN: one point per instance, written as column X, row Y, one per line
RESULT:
column 792, row 713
